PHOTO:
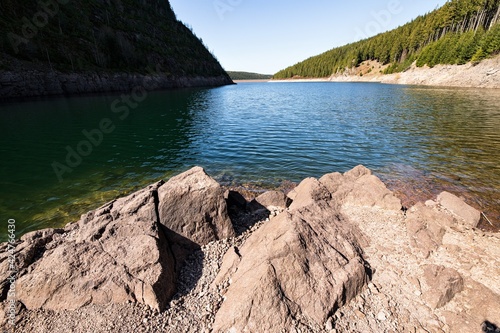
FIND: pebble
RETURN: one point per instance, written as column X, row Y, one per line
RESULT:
column 360, row 314
column 329, row 324
column 381, row 316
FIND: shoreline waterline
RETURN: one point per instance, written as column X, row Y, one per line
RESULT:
column 484, row 75
column 409, row 190
column 255, row 133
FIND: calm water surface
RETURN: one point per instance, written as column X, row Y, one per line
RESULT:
column 419, row 140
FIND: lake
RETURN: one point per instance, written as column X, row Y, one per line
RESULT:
column 64, row 156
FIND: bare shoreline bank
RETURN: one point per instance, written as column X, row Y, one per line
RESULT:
column 486, row 74
column 348, row 227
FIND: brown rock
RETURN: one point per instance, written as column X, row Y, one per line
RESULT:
column 483, row 308
column 469, row 215
column 116, row 253
column 192, row 205
column 424, row 226
column 26, row 251
column 308, row 192
column 302, row 262
column 357, row 172
column 358, row 187
column 273, row 199
column 332, row 181
column 369, row 191
column 443, row 284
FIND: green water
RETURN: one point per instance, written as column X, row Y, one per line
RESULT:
column 257, row 133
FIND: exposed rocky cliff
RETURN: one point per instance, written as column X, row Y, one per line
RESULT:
column 56, row 47
column 336, row 255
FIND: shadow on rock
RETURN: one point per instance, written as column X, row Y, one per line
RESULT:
column 190, row 273
column 243, row 214
column 489, row 327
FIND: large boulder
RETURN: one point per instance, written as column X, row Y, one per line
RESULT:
column 192, row 205
column 26, row 250
column 303, row 263
column 130, row 249
column 115, row 254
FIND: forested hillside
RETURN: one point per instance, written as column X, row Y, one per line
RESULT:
column 131, row 36
column 459, row 32
column 248, row 76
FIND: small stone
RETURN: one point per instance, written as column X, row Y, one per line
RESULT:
column 329, row 324
column 381, row 316
column 359, row 314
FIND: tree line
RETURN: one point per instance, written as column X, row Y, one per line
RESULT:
column 459, row 32
column 102, row 36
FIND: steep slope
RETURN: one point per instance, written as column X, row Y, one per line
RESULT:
column 47, row 40
column 459, row 32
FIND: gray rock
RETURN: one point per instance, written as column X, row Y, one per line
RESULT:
column 469, row 215
column 35, row 83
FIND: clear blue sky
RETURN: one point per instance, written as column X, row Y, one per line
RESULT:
column 264, row 36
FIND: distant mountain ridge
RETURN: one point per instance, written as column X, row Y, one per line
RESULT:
column 460, row 31
column 235, row 75
column 103, row 38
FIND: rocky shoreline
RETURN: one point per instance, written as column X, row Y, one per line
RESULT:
column 36, row 83
column 336, row 254
column 486, row 74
